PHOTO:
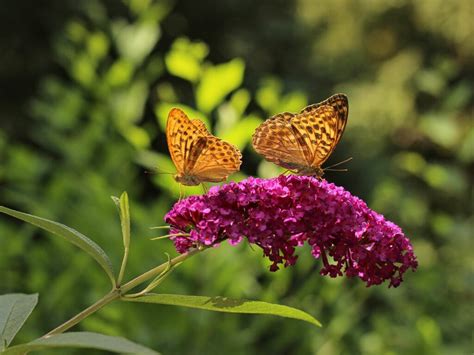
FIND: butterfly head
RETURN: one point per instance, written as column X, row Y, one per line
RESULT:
column 311, row 171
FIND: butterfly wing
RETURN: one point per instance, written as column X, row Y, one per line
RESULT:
column 201, row 126
column 317, row 130
column 197, row 153
column 182, row 134
column 340, row 103
column 214, row 159
column 306, row 139
column 278, row 141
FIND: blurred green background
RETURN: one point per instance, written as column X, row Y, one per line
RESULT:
column 85, row 87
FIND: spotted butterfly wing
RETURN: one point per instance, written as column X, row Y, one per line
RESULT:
column 340, row 104
column 276, row 141
column 303, row 141
column 198, row 155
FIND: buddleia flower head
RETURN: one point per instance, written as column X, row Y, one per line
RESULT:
column 281, row 214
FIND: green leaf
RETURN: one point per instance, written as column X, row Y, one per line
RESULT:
column 70, row 235
column 15, row 308
column 185, row 58
column 217, row 82
column 135, row 41
column 238, row 134
column 292, row 102
column 137, row 136
column 82, row 340
column 127, row 105
column 124, row 212
column 268, row 95
column 225, row 304
column 240, row 100
column 120, row 73
column 125, row 218
column 442, row 129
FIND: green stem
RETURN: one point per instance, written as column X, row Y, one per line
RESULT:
column 112, row 295
column 157, row 270
column 118, row 292
column 122, row 268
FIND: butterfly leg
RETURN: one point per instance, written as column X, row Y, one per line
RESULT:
column 180, row 192
column 204, row 188
column 289, row 171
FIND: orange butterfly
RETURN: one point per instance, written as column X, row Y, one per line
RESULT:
column 196, row 153
column 303, row 142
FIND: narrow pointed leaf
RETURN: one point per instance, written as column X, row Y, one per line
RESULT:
column 82, row 340
column 70, row 235
column 15, row 308
column 226, row 304
column 125, row 219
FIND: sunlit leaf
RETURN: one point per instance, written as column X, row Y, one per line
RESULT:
column 229, row 305
column 217, row 82
column 445, row 178
column 268, row 95
column 128, row 104
column 185, row 58
column 15, row 309
column 411, row 162
column 86, row 340
column 240, row 100
column 430, row 81
column 83, row 70
column 292, row 102
column 119, row 73
column 241, row 133
column 98, row 45
column 135, row 41
column 137, row 136
column 71, row 235
column 441, row 129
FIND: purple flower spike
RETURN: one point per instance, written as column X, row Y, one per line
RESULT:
column 282, row 213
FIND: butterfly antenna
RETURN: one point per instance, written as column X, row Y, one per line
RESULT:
column 158, row 172
column 341, row 162
column 336, row 169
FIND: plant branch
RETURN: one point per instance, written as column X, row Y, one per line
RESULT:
column 112, row 295
column 117, row 293
column 157, row 270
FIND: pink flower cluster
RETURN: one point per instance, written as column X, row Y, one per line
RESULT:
column 282, row 213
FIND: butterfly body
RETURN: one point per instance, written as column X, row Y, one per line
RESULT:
column 302, row 142
column 310, row 171
column 198, row 155
column 188, row 180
